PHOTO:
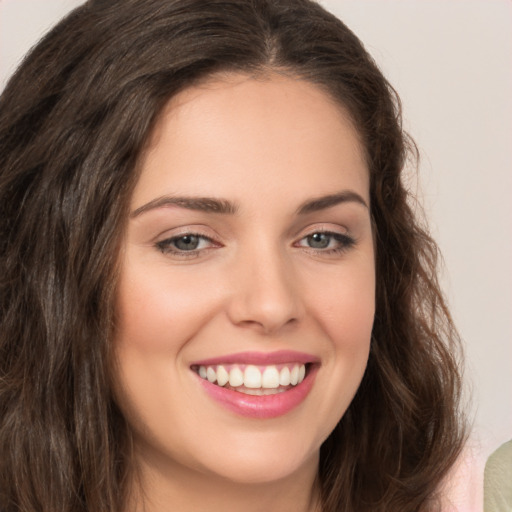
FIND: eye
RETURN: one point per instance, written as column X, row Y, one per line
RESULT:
column 189, row 243
column 326, row 241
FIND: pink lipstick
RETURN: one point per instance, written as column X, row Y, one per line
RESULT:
column 256, row 384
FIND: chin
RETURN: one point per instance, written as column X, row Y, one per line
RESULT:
column 254, row 469
column 261, row 457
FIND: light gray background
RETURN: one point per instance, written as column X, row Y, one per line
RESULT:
column 451, row 62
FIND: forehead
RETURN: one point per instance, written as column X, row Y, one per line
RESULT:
column 291, row 94
column 235, row 127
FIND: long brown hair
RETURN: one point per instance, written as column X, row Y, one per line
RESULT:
column 74, row 120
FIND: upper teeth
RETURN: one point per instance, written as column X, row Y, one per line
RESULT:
column 254, row 377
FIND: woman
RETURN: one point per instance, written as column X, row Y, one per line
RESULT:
column 214, row 291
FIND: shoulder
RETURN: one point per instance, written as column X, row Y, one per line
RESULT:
column 498, row 479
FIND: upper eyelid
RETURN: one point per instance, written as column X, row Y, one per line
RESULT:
column 335, row 229
column 187, row 233
column 214, row 237
column 213, row 242
column 200, row 231
column 165, row 246
column 325, row 232
column 334, row 234
column 178, row 232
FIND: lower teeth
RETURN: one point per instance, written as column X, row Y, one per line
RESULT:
column 258, row 391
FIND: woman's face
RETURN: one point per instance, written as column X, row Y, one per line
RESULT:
column 246, row 295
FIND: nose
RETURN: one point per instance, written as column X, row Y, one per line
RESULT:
column 265, row 293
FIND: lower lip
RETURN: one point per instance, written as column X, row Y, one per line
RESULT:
column 261, row 406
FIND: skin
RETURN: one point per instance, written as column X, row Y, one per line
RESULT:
column 268, row 146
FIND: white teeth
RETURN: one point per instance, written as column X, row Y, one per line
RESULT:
column 222, row 376
column 263, row 391
column 284, row 376
column 254, row 377
column 270, row 377
column 211, row 375
column 236, row 377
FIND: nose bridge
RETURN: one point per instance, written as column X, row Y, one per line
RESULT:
column 265, row 293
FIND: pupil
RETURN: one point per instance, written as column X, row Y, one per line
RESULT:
column 319, row 240
column 187, row 242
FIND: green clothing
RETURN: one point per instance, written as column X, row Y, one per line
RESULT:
column 498, row 480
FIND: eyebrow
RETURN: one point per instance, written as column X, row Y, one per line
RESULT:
column 223, row 206
column 324, row 202
column 203, row 204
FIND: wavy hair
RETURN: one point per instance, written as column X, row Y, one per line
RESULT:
column 74, row 121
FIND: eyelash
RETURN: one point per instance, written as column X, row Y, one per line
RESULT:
column 344, row 243
column 166, row 247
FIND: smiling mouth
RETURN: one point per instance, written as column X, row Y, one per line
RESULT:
column 254, row 380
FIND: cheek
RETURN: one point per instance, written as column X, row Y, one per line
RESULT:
column 345, row 307
column 159, row 311
column 157, row 314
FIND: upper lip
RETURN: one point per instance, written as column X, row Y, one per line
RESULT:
column 260, row 358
